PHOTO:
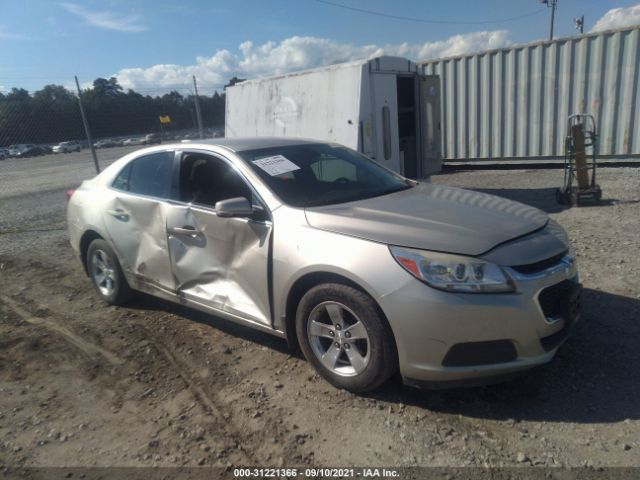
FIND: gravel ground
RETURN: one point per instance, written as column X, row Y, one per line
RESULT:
column 84, row 384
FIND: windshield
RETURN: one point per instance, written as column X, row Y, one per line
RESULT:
column 321, row 174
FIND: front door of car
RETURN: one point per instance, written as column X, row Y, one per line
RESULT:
column 135, row 219
column 221, row 263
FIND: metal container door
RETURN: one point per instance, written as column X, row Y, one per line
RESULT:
column 430, row 124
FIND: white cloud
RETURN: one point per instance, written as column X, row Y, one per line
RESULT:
column 618, row 18
column 105, row 19
column 8, row 35
column 292, row 54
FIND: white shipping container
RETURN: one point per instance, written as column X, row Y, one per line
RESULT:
column 512, row 103
column 381, row 107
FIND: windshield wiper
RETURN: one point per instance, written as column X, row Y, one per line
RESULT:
column 358, row 197
column 389, row 191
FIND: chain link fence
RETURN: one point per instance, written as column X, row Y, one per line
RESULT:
column 44, row 146
column 48, row 121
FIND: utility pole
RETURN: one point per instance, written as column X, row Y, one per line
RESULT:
column 86, row 127
column 579, row 22
column 198, row 114
column 553, row 4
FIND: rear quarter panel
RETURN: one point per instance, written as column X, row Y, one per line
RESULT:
column 84, row 213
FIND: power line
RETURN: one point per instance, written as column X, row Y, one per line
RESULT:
column 423, row 20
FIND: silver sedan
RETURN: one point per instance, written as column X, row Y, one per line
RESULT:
column 365, row 271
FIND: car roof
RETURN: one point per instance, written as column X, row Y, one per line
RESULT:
column 252, row 143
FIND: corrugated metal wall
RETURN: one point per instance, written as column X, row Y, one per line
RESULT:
column 514, row 102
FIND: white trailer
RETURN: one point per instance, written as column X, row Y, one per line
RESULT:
column 381, row 107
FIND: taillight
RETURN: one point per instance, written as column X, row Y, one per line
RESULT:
column 70, row 193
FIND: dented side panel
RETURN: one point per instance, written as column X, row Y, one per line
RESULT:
column 136, row 226
column 223, row 263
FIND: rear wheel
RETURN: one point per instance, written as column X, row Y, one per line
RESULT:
column 344, row 336
column 106, row 274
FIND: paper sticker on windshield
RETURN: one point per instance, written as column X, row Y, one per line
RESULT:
column 276, row 165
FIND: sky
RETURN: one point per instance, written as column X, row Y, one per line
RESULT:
column 154, row 46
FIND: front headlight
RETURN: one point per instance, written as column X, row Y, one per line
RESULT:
column 453, row 273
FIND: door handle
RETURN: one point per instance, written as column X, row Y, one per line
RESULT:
column 119, row 214
column 185, row 230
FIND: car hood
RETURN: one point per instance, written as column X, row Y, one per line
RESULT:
column 432, row 217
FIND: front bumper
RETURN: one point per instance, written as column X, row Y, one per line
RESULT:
column 461, row 338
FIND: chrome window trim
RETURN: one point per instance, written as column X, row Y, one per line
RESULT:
column 177, row 158
column 205, row 209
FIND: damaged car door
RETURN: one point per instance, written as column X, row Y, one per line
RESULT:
column 218, row 262
column 135, row 219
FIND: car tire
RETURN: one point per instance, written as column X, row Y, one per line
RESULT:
column 344, row 335
column 106, row 274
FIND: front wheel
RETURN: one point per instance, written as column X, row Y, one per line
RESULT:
column 343, row 334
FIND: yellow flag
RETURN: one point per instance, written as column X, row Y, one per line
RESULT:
column 165, row 119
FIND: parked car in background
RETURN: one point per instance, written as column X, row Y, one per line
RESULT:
column 367, row 271
column 105, row 143
column 132, row 141
column 4, row 153
column 15, row 150
column 67, row 147
column 152, row 139
column 32, row 151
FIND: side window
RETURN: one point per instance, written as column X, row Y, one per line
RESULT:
column 330, row 169
column 205, row 180
column 122, row 180
column 151, row 175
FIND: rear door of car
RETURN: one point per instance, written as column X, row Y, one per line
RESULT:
column 220, row 263
column 135, row 218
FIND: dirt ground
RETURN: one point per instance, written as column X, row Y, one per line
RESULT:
column 84, row 384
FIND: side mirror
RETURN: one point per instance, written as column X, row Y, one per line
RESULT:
column 234, row 207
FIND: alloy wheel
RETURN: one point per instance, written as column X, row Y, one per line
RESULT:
column 103, row 272
column 338, row 338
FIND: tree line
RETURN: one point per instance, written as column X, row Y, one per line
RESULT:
column 52, row 114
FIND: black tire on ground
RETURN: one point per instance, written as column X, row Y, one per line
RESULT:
column 383, row 357
column 121, row 292
column 560, row 196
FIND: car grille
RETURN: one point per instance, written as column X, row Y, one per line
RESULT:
column 539, row 266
